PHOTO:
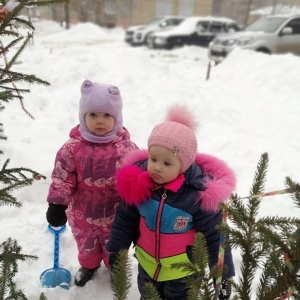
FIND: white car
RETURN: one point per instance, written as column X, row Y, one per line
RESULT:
column 131, row 30
column 271, row 34
column 141, row 34
column 194, row 30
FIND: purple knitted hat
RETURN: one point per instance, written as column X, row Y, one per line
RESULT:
column 177, row 134
column 98, row 97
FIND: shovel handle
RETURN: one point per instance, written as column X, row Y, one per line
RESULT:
column 56, row 231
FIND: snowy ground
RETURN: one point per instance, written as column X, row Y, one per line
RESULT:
column 249, row 106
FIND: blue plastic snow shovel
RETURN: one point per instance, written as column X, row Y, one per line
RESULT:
column 56, row 276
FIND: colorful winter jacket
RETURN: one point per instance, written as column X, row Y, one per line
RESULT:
column 162, row 220
column 84, row 178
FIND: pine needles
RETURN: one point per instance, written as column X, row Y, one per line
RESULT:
column 121, row 276
column 263, row 243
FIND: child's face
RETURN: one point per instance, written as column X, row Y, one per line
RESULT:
column 163, row 165
column 99, row 123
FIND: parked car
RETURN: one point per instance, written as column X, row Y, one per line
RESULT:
column 131, row 30
column 271, row 34
column 140, row 34
column 192, row 31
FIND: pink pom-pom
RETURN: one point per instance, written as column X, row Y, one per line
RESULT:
column 181, row 114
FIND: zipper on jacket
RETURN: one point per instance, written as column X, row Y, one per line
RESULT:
column 157, row 233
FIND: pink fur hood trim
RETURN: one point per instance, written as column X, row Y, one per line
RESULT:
column 134, row 185
column 220, row 187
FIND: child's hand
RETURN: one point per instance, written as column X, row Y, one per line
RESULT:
column 56, row 215
column 225, row 291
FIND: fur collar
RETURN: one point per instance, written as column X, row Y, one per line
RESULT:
column 135, row 185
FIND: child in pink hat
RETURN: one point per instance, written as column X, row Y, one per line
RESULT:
column 170, row 192
column 83, row 188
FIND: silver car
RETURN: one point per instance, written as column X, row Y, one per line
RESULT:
column 272, row 34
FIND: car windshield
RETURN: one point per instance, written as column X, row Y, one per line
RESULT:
column 266, row 24
column 154, row 21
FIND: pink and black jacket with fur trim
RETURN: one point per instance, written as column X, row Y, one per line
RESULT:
column 162, row 220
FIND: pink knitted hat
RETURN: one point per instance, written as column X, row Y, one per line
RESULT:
column 177, row 134
column 98, row 97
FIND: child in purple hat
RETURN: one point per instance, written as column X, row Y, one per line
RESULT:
column 83, row 188
column 169, row 193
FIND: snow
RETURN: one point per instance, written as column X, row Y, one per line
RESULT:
column 249, row 106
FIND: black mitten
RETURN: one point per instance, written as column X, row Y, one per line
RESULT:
column 225, row 290
column 56, row 215
column 111, row 259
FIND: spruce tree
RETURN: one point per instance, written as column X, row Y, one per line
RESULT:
column 269, row 246
column 12, row 43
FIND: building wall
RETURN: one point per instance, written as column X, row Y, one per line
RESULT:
column 124, row 13
column 110, row 13
column 142, row 11
column 203, row 8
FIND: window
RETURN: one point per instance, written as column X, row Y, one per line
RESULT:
column 295, row 25
column 216, row 27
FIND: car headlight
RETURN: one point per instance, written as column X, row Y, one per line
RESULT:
column 230, row 42
column 244, row 41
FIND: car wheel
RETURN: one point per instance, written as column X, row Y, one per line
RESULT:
column 264, row 50
column 148, row 39
column 179, row 42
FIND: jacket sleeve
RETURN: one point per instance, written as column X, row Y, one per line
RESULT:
column 206, row 223
column 125, row 228
column 64, row 176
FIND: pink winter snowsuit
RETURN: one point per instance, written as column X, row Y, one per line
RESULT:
column 84, row 180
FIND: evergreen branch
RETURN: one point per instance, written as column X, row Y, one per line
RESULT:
column 5, row 96
column 42, row 297
column 19, row 77
column 8, row 32
column 13, row 179
column 199, row 257
column 200, row 281
column 260, row 175
column 274, row 280
column 281, row 222
column 121, row 276
column 12, row 96
column 11, row 44
column 236, row 211
column 9, row 200
column 295, row 187
column 19, row 295
column 10, row 253
column 271, row 237
column 24, row 23
column 150, row 292
column 17, row 174
column 19, row 51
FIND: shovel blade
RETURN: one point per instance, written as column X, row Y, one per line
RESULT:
column 56, row 277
